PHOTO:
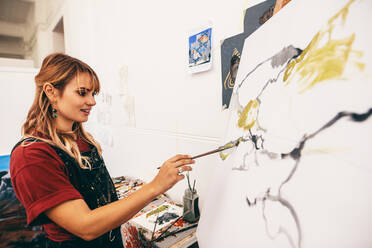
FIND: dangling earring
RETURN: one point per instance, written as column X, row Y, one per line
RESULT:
column 54, row 113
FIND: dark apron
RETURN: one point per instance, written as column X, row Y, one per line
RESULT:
column 97, row 189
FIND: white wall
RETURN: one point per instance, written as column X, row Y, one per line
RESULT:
column 5, row 62
column 17, row 89
column 175, row 112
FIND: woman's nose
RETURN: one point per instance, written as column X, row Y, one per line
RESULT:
column 91, row 101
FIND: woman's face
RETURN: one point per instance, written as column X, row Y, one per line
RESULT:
column 75, row 102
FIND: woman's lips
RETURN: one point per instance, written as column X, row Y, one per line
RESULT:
column 85, row 111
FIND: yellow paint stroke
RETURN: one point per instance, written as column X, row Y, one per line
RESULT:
column 227, row 83
column 318, row 63
column 247, row 117
column 231, row 144
column 158, row 210
column 361, row 66
column 326, row 150
column 224, row 156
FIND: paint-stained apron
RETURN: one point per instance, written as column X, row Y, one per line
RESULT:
column 97, row 189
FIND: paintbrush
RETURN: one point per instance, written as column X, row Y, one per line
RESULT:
column 228, row 145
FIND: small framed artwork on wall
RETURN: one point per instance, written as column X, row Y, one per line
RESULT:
column 200, row 47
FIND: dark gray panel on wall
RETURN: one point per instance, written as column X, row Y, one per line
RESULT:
column 231, row 48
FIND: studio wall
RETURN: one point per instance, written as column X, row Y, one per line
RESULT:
column 150, row 107
column 174, row 111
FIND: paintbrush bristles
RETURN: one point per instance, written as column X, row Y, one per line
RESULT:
column 188, row 180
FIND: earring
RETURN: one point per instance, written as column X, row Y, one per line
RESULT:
column 54, row 113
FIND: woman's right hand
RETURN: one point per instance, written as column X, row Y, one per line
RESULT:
column 169, row 172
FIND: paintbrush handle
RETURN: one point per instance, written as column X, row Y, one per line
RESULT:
column 202, row 155
column 207, row 153
column 219, row 149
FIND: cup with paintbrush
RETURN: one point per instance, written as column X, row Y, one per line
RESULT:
column 191, row 212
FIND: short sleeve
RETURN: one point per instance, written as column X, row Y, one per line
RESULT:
column 40, row 180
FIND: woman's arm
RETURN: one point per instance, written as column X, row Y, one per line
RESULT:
column 76, row 217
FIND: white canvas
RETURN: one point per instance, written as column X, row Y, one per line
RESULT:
column 303, row 101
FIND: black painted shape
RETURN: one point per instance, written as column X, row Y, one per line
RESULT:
column 166, row 217
column 361, row 117
column 356, row 117
column 295, row 154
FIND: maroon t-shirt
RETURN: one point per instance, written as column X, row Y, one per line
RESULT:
column 40, row 180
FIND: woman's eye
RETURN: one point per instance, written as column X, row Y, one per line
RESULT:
column 81, row 92
column 94, row 93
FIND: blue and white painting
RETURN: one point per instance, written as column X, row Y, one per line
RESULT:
column 200, row 48
column 4, row 162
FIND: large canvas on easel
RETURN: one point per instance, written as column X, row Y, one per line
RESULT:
column 302, row 104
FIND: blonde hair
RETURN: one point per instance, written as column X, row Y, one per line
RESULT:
column 58, row 69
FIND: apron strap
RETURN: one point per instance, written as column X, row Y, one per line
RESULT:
column 29, row 139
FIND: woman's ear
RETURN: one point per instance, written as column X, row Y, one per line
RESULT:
column 50, row 92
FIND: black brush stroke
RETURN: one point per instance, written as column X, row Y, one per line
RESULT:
column 296, row 154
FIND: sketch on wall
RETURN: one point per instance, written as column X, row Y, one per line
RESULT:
column 231, row 48
column 302, row 107
column 127, row 100
column 200, row 44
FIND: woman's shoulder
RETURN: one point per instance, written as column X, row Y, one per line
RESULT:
column 31, row 145
column 32, row 152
